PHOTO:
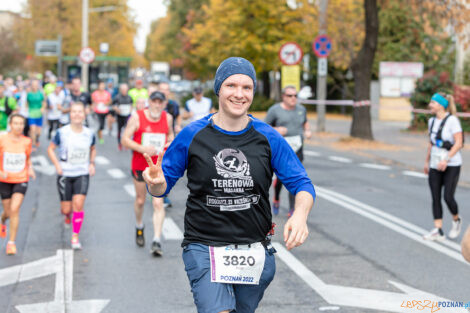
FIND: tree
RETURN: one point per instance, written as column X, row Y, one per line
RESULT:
column 49, row 18
column 10, row 59
column 434, row 15
column 362, row 70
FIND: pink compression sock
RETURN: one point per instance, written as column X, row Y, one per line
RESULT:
column 77, row 219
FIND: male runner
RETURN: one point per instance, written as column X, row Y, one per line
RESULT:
column 290, row 119
column 122, row 104
column 15, row 169
column 74, row 167
column 148, row 131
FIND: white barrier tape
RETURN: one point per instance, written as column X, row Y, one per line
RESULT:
column 362, row 103
column 367, row 102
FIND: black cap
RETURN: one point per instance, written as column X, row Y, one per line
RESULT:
column 157, row 95
column 197, row 90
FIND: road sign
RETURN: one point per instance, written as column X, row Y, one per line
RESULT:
column 290, row 76
column 322, row 66
column 322, row 46
column 47, row 48
column 87, row 55
column 290, row 53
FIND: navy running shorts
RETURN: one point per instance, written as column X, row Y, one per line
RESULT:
column 212, row 297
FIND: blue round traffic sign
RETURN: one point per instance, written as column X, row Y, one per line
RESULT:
column 322, row 46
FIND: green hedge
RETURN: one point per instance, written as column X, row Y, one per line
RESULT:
column 429, row 84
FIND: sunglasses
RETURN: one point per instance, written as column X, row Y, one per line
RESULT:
column 291, row 96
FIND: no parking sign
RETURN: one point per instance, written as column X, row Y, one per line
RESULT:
column 322, row 46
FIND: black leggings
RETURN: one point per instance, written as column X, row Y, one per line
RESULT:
column 449, row 179
column 101, row 120
column 53, row 124
column 121, row 122
column 278, row 184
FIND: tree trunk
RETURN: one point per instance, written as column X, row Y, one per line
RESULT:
column 362, row 70
column 266, row 84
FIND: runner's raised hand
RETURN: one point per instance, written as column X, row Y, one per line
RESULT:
column 153, row 174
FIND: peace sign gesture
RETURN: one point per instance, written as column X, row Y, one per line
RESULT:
column 153, row 175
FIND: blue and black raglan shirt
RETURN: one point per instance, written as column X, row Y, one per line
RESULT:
column 229, row 175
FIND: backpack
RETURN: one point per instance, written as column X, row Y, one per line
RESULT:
column 439, row 142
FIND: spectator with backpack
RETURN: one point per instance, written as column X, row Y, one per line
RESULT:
column 443, row 162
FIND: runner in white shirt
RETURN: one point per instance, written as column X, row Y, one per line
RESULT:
column 75, row 165
column 198, row 106
column 55, row 101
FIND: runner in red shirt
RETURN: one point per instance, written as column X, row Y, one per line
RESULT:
column 148, row 131
column 101, row 100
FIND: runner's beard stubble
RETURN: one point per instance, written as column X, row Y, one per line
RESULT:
column 155, row 114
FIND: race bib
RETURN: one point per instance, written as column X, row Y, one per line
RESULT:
column 437, row 155
column 78, row 155
column 295, row 142
column 101, row 107
column 125, row 109
column 237, row 265
column 14, row 162
column 154, row 139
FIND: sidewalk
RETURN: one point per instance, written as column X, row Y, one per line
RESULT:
column 393, row 143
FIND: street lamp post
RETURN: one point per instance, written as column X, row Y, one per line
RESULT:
column 85, row 42
column 85, row 11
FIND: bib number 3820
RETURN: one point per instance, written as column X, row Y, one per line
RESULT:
column 232, row 265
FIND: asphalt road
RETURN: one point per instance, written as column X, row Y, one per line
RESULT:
column 364, row 252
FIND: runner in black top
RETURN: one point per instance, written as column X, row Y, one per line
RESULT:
column 230, row 157
column 122, row 104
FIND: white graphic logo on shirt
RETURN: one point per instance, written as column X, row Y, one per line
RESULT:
column 232, row 163
column 233, row 166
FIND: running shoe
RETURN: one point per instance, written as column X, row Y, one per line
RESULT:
column 120, row 147
column 166, row 202
column 75, row 243
column 456, row 228
column 101, row 141
column 3, row 230
column 139, row 237
column 11, row 248
column 156, row 249
column 275, row 207
column 434, row 235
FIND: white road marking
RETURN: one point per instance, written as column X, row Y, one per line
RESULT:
column 101, row 160
column 62, row 266
column 357, row 297
column 339, row 159
column 415, row 174
column 394, row 223
column 130, row 189
column 375, row 166
column 170, row 230
column 311, row 153
column 328, row 308
column 116, row 173
column 42, row 165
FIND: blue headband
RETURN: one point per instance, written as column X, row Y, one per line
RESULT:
column 441, row 100
column 232, row 66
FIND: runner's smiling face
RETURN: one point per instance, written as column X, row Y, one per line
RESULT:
column 236, row 95
column 77, row 114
